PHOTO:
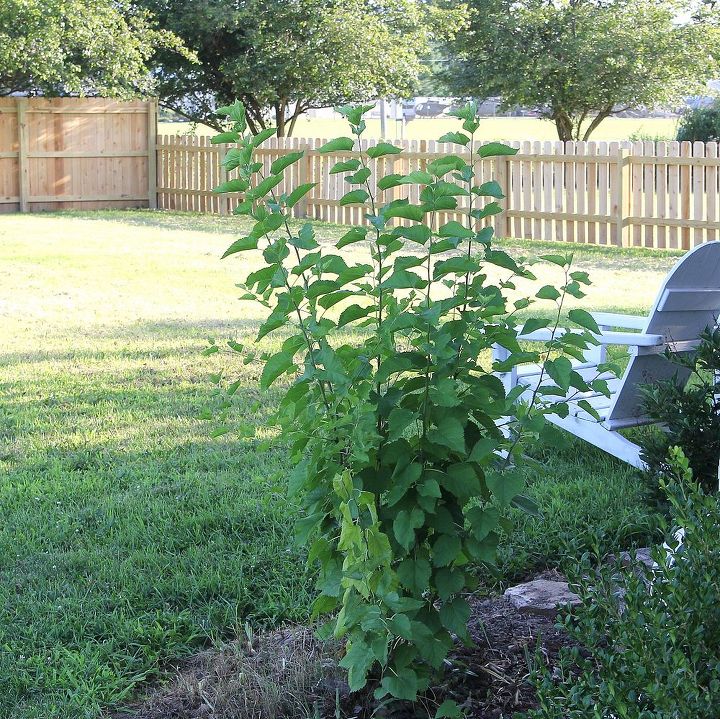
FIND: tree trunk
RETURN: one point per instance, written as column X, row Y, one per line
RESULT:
column 563, row 124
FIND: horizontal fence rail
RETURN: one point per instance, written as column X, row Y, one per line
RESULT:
column 627, row 194
column 84, row 153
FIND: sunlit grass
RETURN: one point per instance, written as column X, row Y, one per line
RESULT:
column 129, row 536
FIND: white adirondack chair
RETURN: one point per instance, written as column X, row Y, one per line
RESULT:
column 688, row 302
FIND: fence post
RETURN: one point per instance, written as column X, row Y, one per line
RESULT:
column 622, row 209
column 23, row 166
column 152, row 153
column 502, row 176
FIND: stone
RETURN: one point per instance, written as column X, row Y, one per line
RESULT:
column 642, row 555
column 541, row 596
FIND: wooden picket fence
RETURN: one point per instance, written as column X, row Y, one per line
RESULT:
column 641, row 194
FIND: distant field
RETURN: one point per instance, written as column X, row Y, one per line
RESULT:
column 491, row 128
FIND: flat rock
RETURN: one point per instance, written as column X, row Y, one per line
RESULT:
column 541, row 596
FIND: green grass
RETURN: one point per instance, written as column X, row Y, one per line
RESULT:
column 491, row 128
column 129, row 536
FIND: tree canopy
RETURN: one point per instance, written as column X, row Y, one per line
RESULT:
column 67, row 47
column 283, row 57
column 580, row 61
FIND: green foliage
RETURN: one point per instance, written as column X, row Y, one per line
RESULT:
column 284, row 58
column 61, row 47
column 688, row 407
column 652, row 649
column 579, row 62
column 700, row 125
column 394, row 433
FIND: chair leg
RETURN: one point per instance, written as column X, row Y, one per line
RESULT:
column 611, row 442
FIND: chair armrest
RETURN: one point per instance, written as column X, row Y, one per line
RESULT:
column 633, row 339
column 612, row 319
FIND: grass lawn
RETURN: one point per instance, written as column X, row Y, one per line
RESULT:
column 129, row 536
column 491, row 128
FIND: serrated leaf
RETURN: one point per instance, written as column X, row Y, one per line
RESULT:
column 382, row 149
column 404, row 211
column 455, row 229
column 489, row 189
column 345, row 166
column 354, row 313
column 454, row 616
column 244, row 243
column 560, row 371
column 445, row 550
column 448, row 710
column 359, row 177
column 584, row 319
column 354, row 197
column 263, row 135
column 225, row 138
column 505, row 486
column 236, row 185
column 449, row 433
column 415, row 575
column 547, row 292
column 496, row 149
column 298, row 193
column 284, row 161
column 457, row 138
column 263, row 188
column 339, row 144
column 277, row 365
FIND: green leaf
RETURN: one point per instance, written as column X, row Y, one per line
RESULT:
column 559, row 260
column 496, row 149
column 359, row 177
column 345, row 166
column 298, row 193
column 415, row 233
column 277, row 365
column 560, row 371
column 457, row 138
column 402, row 481
column 448, row 710
column 285, row 161
column 354, row 313
column 405, row 524
column 405, row 211
column 358, row 659
column 389, row 181
column 449, row 433
column 404, row 280
column 244, row 243
column 584, row 319
column 547, row 292
column 483, row 520
column 534, row 324
column 527, row 505
column 225, row 138
column 356, row 234
column 236, row 185
column 383, row 148
column 263, row 135
column 236, row 112
column 445, row 550
column 263, row 188
column 339, row 144
column 505, row 486
column 489, row 189
column 354, row 197
column 417, row 177
column 442, row 165
column 402, row 685
column 455, row 229
column 454, row 616
column 414, row 574
column 448, row 582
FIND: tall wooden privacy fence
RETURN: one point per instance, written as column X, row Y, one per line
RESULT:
column 63, row 153
column 641, row 194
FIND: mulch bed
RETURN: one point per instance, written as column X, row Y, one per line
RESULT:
column 489, row 680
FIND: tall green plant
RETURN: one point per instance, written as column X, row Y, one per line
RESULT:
column 395, row 430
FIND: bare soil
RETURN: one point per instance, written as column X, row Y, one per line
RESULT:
column 288, row 674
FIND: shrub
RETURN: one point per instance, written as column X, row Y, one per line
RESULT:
column 690, row 412
column 649, row 639
column 700, row 125
column 393, row 415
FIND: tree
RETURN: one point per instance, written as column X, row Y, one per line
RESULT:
column 581, row 61
column 284, row 57
column 70, row 47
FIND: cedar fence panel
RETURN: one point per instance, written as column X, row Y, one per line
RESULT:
column 655, row 195
column 76, row 153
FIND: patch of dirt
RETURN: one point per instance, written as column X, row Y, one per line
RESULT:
column 288, row 674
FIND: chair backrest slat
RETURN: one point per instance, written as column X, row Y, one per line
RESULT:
column 688, row 302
